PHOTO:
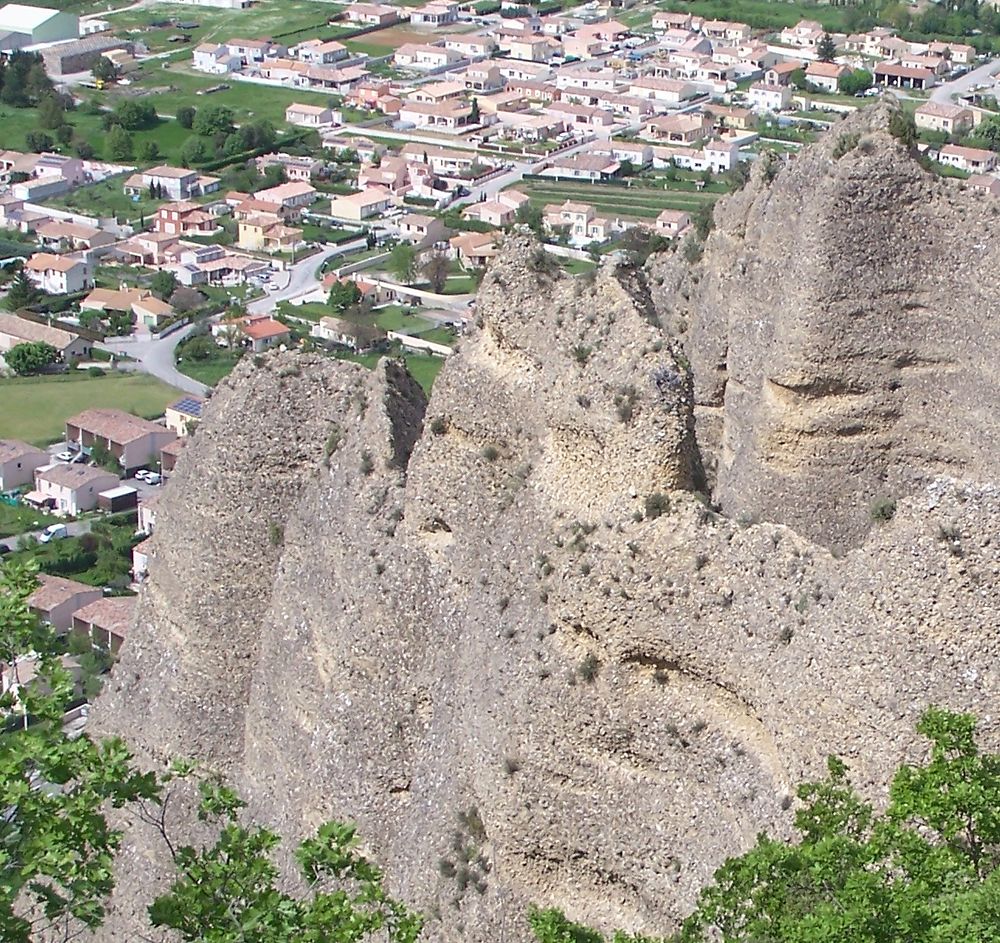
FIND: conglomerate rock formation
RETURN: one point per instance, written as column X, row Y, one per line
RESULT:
column 516, row 599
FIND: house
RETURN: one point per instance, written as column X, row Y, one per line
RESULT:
column 974, row 160
column 985, row 183
column 311, row 116
column 74, row 488
column 825, row 75
column 434, row 14
column 725, row 117
column 582, row 115
column 292, row 195
column 133, row 441
column 765, row 97
column 683, row 129
column 474, row 249
column 531, row 47
column 265, row 233
column 638, row 155
column 894, row 75
column 147, row 515
column 420, row 229
column 112, row 300
column 580, row 220
column 57, row 274
column 57, row 598
column 350, row 334
column 254, row 51
column 181, row 218
column 175, row 183
column 422, row 56
column 668, row 91
column 664, row 20
column 106, row 621
column 781, row 74
column 141, row 554
column 449, row 116
column 296, row 167
column 500, row 211
column 18, row 462
column 582, row 167
column 372, row 14
column 183, row 415
column 435, row 92
column 15, row 330
column 60, row 235
column 170, row 453
column 483, row 78
column 317, row 52
column 257, row 332
column 672, row 223
column 959, row 53
column 358, row 206
column 805, row 33
column 151, row 311
column 725, row 30
column 470, row 46
column 216, row 59
column 392, row 174
column 941, row 116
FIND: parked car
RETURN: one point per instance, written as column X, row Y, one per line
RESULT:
column 53, row 532
column 152, row 478
column 4, row 549
column 142, row 474
column 65, row 456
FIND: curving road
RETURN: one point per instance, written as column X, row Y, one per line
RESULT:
column 981, row 75
column 155, row 356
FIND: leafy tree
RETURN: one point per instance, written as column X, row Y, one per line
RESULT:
column 826, row 48
column 64, row 134
column 857, row 80
column 531, row 216
column 799, row 80
column 56, row 845
column 105, row 70
column 403, row 262
column 194, row 151
column 344, row 294
column 987, row 134
column 118, row 144
column 185, row 116
column 30, row 357
column 229, row 892
column 435, row 270
column 22, row 292
column 474, row 113
column 83, row 149
column 37, row 82
column 135, row 115
column 216, row 120
column 120, row 323
column 163, row 284
column 147, row 150
column 38, row 141
column 51, row 113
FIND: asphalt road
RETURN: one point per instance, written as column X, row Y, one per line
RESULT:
column 982, row 75
column 301, row 278
column 155, row 356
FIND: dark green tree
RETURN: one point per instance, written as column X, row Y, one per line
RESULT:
column 474, row 114
column 344, row 295
column 403, row 262
column 185, row 116
column 163, row 284
column 30, row 357
column 118, row 144
column 51, row 113
column 215, row 120
column 826, row 48
column 38, row 141
column 435, row 270
column 857, row 80
column 22, row 292
column 105, row 70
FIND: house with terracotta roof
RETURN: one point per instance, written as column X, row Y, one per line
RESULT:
column 59, row 235
column 672, row 223
column 474, row 249
column 176, row 183
column 18, row 462
column 764, row 97
column 943, row 116
column 183, row 415
column 57, row 274
column 318, row 52
column 349, row 334
column 580, row 221
column 291, row 195
column 152, row 311
column 106, row 621
column 435, row 14
column 372, row 14
column 825, row 75
column 805, row 33
column 15, row 330
column 392, row 173
column 358, row 206
column 973, row 160
column 73, row 488
column 267, row 233
column 683, row 130
column 135, row 442
column 311, row 116
column 141, row 554
column 781, row 73
column 423, row 56
column 57, row 598
column 582, row 167
column 181, row 218
column 500, row 211
column 256, row 332
column 895, row 75
column 985, row 183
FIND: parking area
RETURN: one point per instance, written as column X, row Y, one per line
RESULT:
column 146, row 489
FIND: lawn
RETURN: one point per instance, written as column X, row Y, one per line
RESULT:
column 106, row 199
column 423, row 367
column 211, row 371
column 766, row 14
column 278, row 19
column 460, row 285
column 20, row 519
column 577, row 266
column 397, row 319
column 17, row 122
column 36, row 408
column 634, row 202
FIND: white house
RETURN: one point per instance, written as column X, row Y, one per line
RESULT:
column 764, row 97
column 57, row 274
column 311, row 116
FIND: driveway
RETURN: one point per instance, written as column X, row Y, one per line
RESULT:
column 155, row 355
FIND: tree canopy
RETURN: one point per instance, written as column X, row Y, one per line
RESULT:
column 30, row 357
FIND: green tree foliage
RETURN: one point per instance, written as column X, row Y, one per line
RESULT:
column 857, row 80
column 30, row 357
column 56, row 845
column 215, row 120
column 987, row 134
column 826, row 48
column 118, row 144
column 344, row 294
column 194, row 151
column 530, row 215
column 21, row 293
column 24, row 81
column 38, row 141
column 229, row 892
column 799, row 80
column 185, row 116
column 551, row 926
column 51, row 114
column 105, row 70
column 403, row 262
column 163, row 284
column 147, row 151
column 474, row 113
column 135, row 115
column 435, row 270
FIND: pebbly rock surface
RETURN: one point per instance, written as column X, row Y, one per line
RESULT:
column 841, row 327
column 508, row 621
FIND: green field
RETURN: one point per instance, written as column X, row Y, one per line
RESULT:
column 766, row 14
column 36, row 408
column 284, row 20
column 106, row 198
column 577, row 266
column 631, row 202
column 20, row 519
column 212, row 371
column 423, row 367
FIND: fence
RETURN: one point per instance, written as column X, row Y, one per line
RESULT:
column 418, row 343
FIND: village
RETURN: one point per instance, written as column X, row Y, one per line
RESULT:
column 186, row 185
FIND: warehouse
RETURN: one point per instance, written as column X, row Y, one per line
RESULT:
column 40, row 24
column 80, row 56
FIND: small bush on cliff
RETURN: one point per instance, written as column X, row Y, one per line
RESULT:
column 882, row 510
column 845, row 144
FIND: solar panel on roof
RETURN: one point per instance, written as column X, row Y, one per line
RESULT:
column 188, row 405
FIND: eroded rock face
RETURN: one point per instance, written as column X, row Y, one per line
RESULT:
column 512, row 599
column 842, row 331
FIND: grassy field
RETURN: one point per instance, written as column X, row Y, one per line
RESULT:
column 577, row 266
column 766, row 14
column 36, row 408
column 106, row 199
column 20, row 519
column 284, row 20
column 423, row 367
column 633, row 202
column 210, row 372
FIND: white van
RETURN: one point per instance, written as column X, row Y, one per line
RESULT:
column 53, row 532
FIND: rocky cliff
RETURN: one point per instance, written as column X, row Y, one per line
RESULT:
column 510, row 619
